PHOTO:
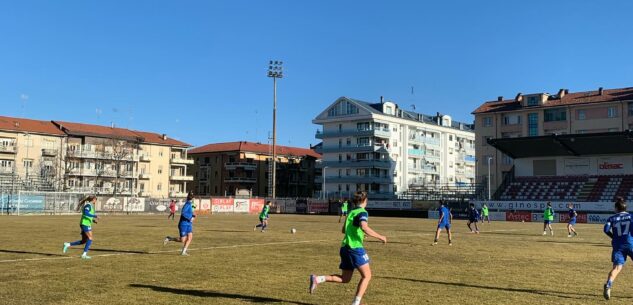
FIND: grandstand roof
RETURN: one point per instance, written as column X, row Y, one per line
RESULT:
column 605, row 143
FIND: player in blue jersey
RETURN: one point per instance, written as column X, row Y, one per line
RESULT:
column 473, row 217
column 444, row 223
column 618, row 228
column 185, row 226
column 572, row 221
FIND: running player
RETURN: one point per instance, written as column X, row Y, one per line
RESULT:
column 473, row 217
column 344, row 206
column 353, row 255
column 618, row 228
column 484, row 214
column 263, row 217
column 88, row 216
column 548, row 218
column 172, row 209
column 446, row 218
column 185, row 226
column 572, row 221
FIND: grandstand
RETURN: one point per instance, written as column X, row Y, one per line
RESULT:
column 578, row 168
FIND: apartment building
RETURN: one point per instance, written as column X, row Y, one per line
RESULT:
column 386, row 150
column 243, row 168
column 542, row 114
column 76, row 157
column 30, row 154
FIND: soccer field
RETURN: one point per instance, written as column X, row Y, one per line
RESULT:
column 508, row 263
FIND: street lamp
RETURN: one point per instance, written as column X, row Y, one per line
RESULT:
column 489, row 159
column 323, row 185
column 275, row 71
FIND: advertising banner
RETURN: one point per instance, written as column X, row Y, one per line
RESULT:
column 203, row 206
column 538, row 217
column 519, row 216
column 109, row 204
column 221, row 205
column 157, row 205
column 302, row 206
column 256, row 206
column 558, row 206
column 598, row 218
column 580, row 218
column 389, row 204
column 318, row 207
column 133, row 204
column 31, row 203
column 241, row 205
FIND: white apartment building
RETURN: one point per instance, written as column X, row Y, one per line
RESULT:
column 386, row 150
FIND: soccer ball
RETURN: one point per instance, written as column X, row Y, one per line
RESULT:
column 293, row 230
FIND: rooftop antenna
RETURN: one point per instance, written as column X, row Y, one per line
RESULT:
column 23, row 99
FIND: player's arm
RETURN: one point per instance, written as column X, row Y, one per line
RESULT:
column 575, row 213
column 450, row 218
column 607, row 229
column 441, row 218
column 370, row 232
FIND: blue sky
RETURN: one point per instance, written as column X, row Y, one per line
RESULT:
column 196, row 70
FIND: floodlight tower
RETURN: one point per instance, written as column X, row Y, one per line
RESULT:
column 275, row 71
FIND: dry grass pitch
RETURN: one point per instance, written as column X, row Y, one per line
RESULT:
column 508, row 263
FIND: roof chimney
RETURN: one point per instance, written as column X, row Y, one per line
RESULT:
column 112, row 124
column 600, row 91
column 382, row 99
column 16, row 124
column 561, row 93
column 164, row 136
column 566, row 91
column 499, row 98
column 519, row 97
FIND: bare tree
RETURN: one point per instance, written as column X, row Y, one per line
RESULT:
column 122, row 157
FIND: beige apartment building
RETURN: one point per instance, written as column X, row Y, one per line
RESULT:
column 75, row 157
column 542, row 114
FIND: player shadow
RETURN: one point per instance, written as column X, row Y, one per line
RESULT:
column 119, row 251
column 215, row 294
column 565, row 295
column 575, row 242
column 28, row 252
column 228, row 231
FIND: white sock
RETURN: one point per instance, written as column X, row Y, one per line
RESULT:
column 320, row 279
column 85, row 253
column 184, row 250
column 356, row 301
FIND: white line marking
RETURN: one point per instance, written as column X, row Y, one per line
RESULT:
column 229, row 247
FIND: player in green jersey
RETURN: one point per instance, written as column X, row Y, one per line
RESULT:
column 88, row 217
column 263, row 217
column 548, row 218
column 352, row 252
column 344, row 210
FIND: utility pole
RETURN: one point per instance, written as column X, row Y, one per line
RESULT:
column 275, row 71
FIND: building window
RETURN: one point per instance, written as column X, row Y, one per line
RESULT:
column 533, row 124
column 582, row 114
column 348, row 141
column 159, row 186
column 612, row 112
column 630, row 108
column 450, row 137
column 532, row 101
column 487, row 121
column 506, row 160
column 511, row 120
column 28, row 163
column 554, row 115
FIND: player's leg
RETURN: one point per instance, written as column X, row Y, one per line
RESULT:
column 365, row 278
column 488, row 218
column 544, row 227
column 450, row 236
column 265, row 224
column 88, row 234
column 468, row 224
column 551, row 230
column 476, row 228
column 261, row 224
column 187, row 241
column 437, row 235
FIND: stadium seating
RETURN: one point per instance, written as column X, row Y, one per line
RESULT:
column 572, row 188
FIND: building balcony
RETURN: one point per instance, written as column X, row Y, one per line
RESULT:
column 177, row 194
column 358, row 179
column 6, row 170
column 432, row 141
column 144, row 158
column 413, row 169
column 245, row 165
column 8, row 149
column 178, row 160
column 381, row 133
column 51, row 152
column 358, row 163
column 144, row 194
column 431, row 169
column 88, row 154
column 354, row 148
column 414, row 152
column 99, row 190
column 144, row 176
column 179, row 177
column 240, row 180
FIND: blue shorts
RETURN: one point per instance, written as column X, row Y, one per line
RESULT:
column 444, row 225
column 547, row 222
column 261, row 219
column 85, row 229
column 185, row 228
column 572, row 221
column 618, row 256
column 344, row 213
column 473, row 220
column 353, row 258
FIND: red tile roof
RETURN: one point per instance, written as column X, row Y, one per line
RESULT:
column 155, row 138
column 572, row 98
column 254, row 147
column 27, row 125
column 80, row 129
